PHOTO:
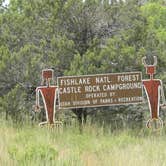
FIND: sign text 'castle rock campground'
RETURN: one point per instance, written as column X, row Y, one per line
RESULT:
column 100, row 90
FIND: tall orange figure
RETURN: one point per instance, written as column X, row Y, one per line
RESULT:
column 154, row 89
column 49, row 94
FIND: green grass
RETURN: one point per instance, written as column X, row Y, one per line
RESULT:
column 34, row 146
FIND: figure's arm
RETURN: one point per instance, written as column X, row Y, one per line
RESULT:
column 57, row 96
column 37, row 104
column 144, row 97
column 162, row 95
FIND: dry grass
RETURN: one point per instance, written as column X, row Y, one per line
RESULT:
column 40, row 146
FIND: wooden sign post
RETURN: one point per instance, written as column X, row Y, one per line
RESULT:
column 101, row 90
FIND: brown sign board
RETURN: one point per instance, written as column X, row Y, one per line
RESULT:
column 100, row 90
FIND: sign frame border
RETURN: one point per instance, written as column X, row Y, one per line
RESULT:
column 108, row 105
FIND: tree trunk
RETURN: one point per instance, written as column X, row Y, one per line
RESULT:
column 81, row 117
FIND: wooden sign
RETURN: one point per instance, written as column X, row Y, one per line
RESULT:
column 100, row 90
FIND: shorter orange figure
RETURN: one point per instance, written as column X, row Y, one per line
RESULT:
column 49, row 94
column 153, row 88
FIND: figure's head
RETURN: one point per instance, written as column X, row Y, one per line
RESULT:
column 47, row 76
column 150, row 69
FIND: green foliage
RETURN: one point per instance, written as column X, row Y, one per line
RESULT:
column 13, row 104
column 155, row 14
column 75, row 38
column 46, row 153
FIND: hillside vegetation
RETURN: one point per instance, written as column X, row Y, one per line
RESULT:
column 76, row 37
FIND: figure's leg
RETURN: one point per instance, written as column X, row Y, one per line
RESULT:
column 43, row 123
column 157, row 123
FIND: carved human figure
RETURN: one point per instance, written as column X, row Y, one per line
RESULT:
column 49, row 94
column 154, row 89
